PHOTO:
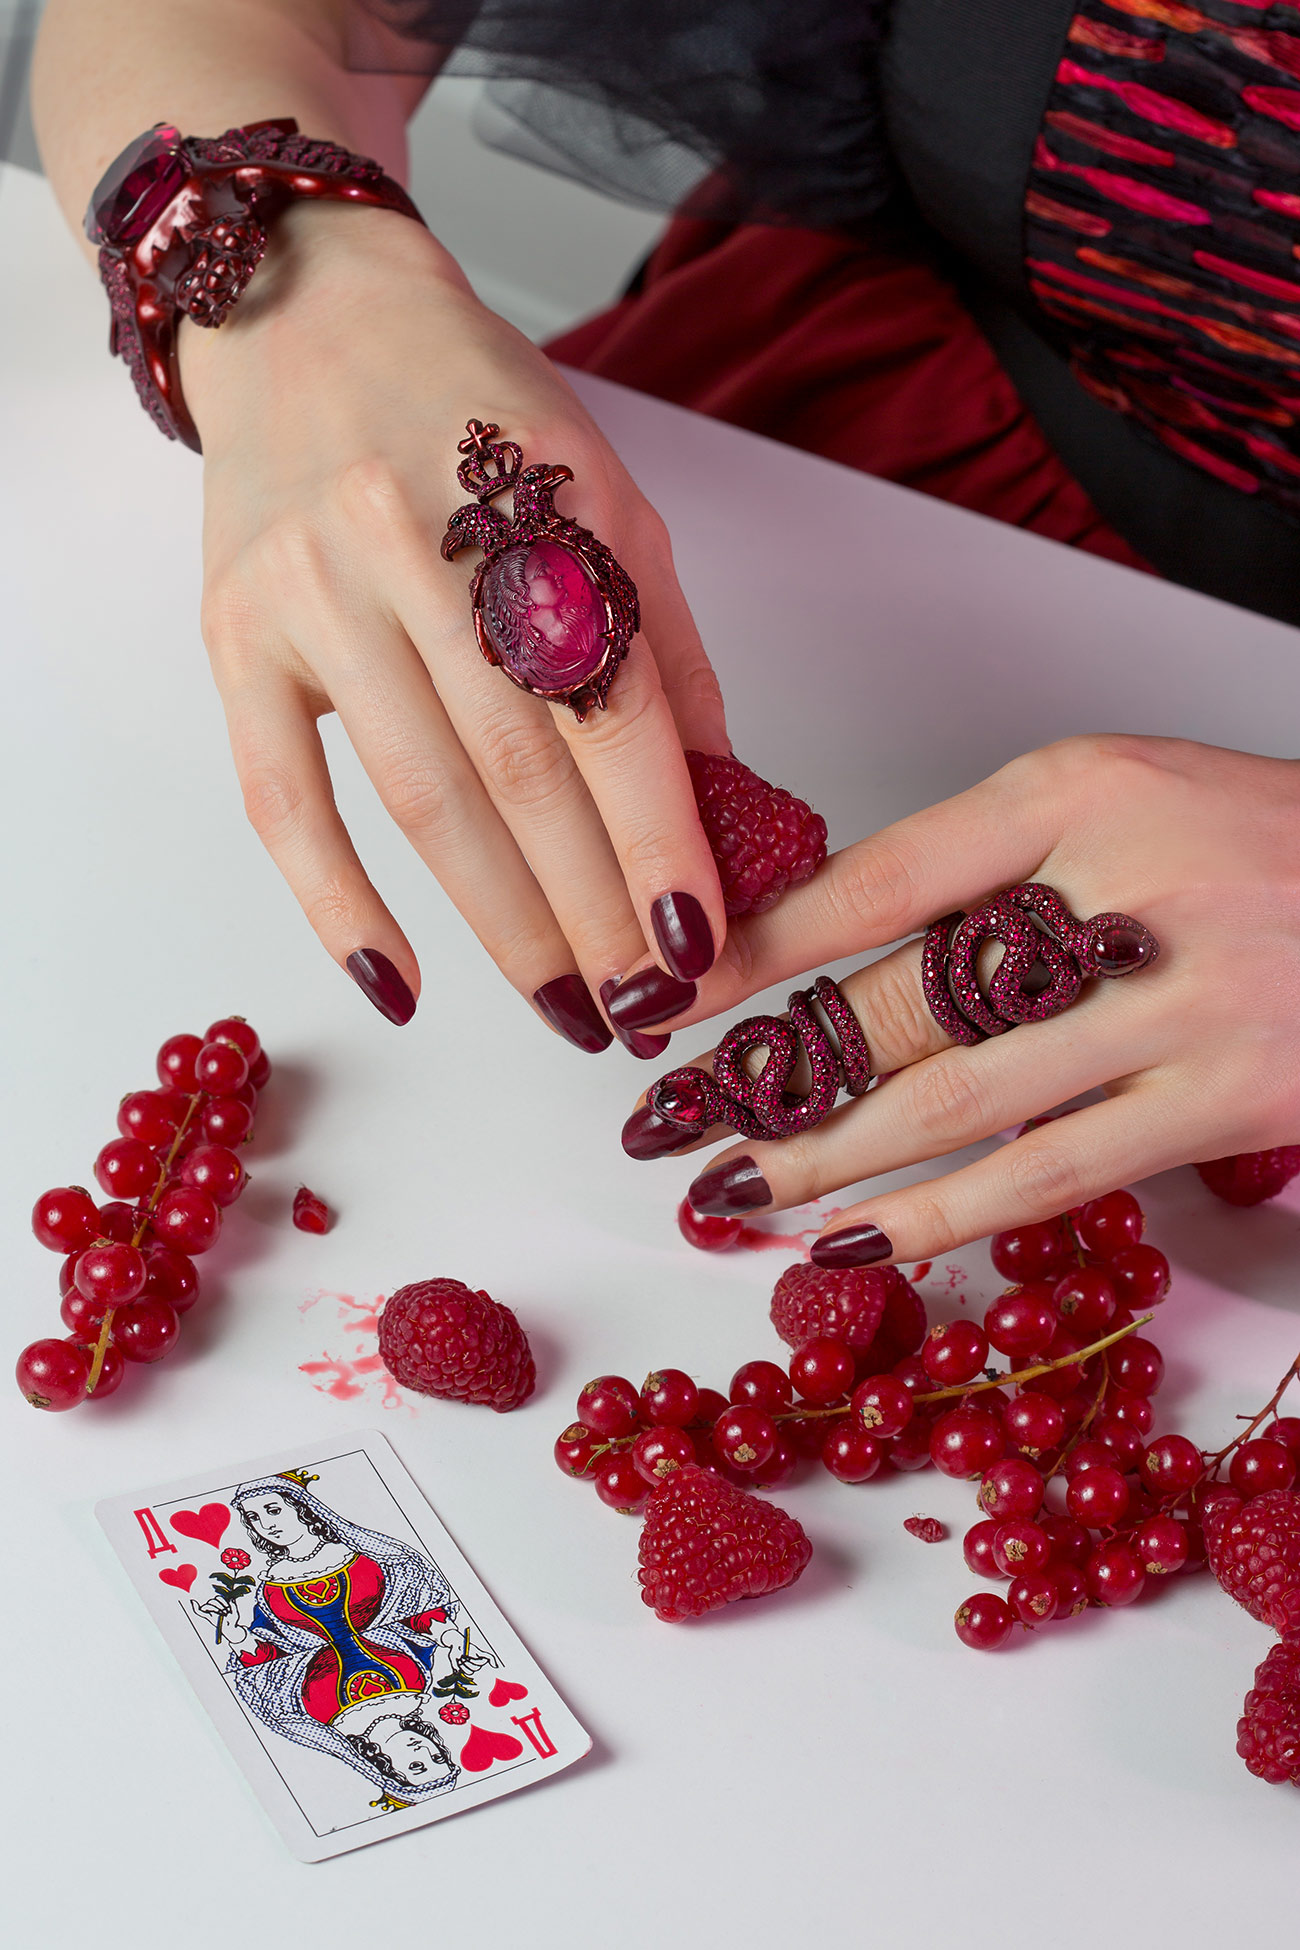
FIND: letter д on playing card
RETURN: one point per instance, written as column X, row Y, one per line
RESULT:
column 359, row 1672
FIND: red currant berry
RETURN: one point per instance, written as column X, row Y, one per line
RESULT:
column 779, row 1467
column 1071, row 1589
column 233, row 1029
column 576, row 1449
column 1134, row 1409
column 1011, row 1488
column 1286, row 1430
column 708, row 1232
column 984, row 1622
column 1029, row 1251
column 1034, row 1424
column 977, row 1549
column 81, row 1316
column 118, row 1220
column 911, row 1450
column 188, row 1220
column 111, row 1370
column 125, row 1168
column 965, row 1441
column 1141, row 1276
column 1262, row 1465
column 658, row 1452
column 1098, row 1497
column 1034, row 1597
column 670, row 1398
column 221, row 1068
column 175, row 1063
column 1021, row 1322
column 1121, row 1438
column 247, row 1096
column 110, row 1274
column 1088, row 1454
column 955, row 1352
column 763, row 1385
column 171, row 1277
column 850, row 1454
column 65, row 1219
column 911, row 1372
column 1061, row 1382
column 211, row 1168
column 1105, row 1226
column 882, row 1405
column 620, row 1484
column 822, row 1371
column 146, row 1114
column 145, row 1330
column 259, row 1070
column 1171, row 1465
column 1114, row 1574
column 66, row 1273
column 806, row 1434
column 1212, row 1496
column 1085, row 1300
column 52, row 1374
column 1137, row 1364
column 1019, row 1545
column 226, row 1121
column 610, row 1406
column 709, row 1404
column 1161, row 1545
column 1069, row 1541
column 744, row 1437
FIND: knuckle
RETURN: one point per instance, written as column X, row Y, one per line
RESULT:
column 930, row 1220
column 895, row 1014
column 945, row 1102
column 1044, row 1177
column 874, row 887
column 273, row 799
column 417, row 794
column 524, row 760
column 228, row 617
column 331, row 910
column 369, row 492
column 697, row 685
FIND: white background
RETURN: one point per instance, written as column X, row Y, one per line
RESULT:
column 827, row 1763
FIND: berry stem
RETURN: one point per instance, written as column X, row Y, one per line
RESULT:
column 164, row 1169
column 1214, row 1463
column 1088, row 1419
column 1043, row 1367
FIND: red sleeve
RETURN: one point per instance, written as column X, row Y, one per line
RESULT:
column 424, row 1621
column 265, row 1652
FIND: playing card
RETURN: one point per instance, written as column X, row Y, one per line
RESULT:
column 357, row 1669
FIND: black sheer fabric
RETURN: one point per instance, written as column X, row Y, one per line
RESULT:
column 734, row 109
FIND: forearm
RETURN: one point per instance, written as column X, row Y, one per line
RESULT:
column 104, row 70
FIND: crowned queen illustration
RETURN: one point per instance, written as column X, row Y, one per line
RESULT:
column 345, row 1632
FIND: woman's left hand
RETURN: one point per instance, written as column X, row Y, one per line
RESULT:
column 1198, row 1055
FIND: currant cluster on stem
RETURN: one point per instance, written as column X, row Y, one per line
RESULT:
column 128, row 1270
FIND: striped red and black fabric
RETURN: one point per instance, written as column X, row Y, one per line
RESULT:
column 1163, row 227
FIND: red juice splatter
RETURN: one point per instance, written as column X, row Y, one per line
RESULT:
column 359, row 1372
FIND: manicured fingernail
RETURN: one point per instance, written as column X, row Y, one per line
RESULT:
column 648, row 997
column 647, row 1135
column 685, row 938
column 736, row 1187
column 851, row 1246
column 632, row 1039
column 567, row 1005
column 376, row 977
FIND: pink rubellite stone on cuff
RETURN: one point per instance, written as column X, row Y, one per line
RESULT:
column 137, row 187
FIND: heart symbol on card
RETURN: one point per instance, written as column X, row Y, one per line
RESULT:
column 182, row 1577
column 504, row 1691
column 209, row 1524
column 482, row 1748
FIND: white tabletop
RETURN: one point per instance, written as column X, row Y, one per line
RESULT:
column 828, row 1757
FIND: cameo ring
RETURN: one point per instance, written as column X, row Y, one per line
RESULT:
column 552, row 606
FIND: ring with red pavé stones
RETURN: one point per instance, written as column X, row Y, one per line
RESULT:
column 553, row 607
column 821, row 1028
column 1048, row 954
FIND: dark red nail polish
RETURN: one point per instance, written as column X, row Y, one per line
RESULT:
column 851, row 1246
column 640, row 1045
column 568, row 1006
column 376, row 977
column 685, row 938
column 735, row 1187
column 648, row 997
column 646, row 1135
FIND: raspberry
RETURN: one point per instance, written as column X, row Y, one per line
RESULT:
column 1252, row 1176
column 440, row 1338
column 705, row 1544
column 1268, row 1732
column 762, row 838
column 1254, row 1551
column 867, row 1307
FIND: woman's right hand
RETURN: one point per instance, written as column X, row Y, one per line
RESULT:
column 330, row 406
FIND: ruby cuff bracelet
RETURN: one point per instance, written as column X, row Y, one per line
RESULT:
column 181, row 223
